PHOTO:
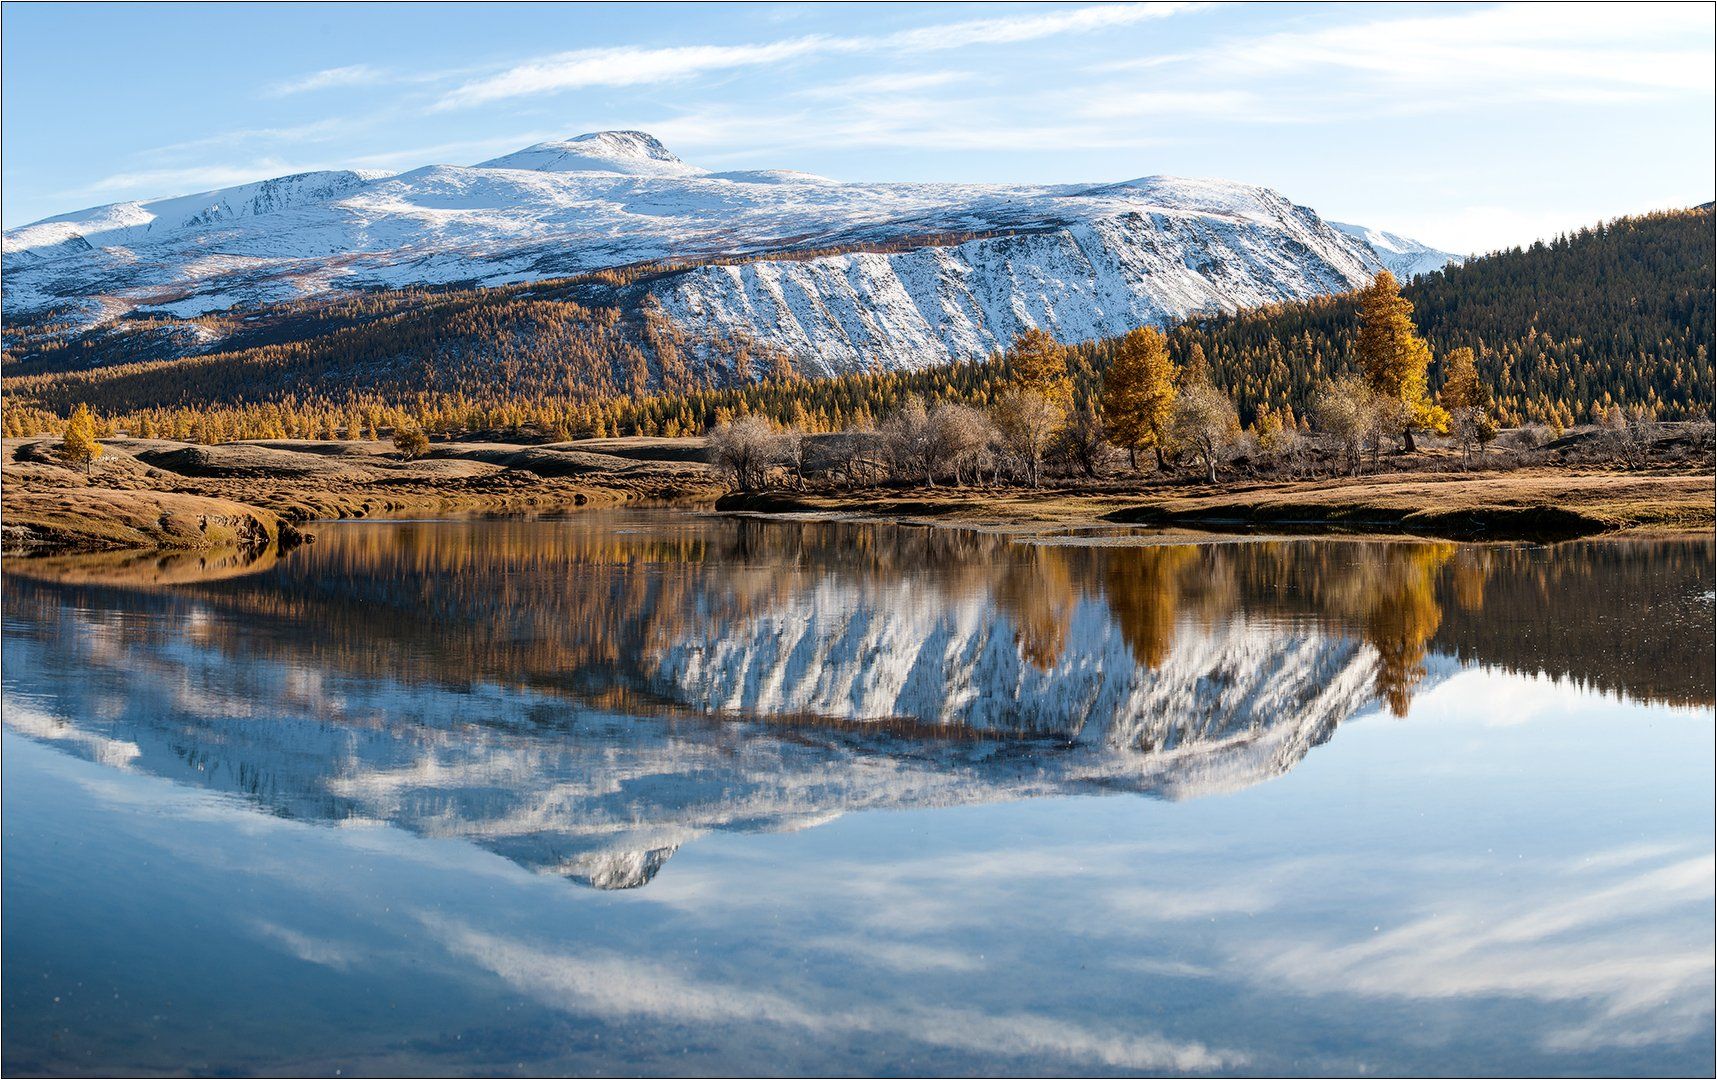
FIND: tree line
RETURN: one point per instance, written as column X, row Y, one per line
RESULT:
column 1144, row 402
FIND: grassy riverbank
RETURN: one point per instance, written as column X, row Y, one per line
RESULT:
column 160, row 495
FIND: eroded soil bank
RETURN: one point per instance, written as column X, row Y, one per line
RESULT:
column 156, row 494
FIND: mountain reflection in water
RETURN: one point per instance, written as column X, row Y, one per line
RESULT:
column 583, row 696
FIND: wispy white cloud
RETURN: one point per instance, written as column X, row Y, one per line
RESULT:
column 326, row 79
column 313, row 131
column 1594, row 54
column 1565, row 50
column 312, row 950
column 1621, row 946
column 624, row 67
column 593, row 983
column 887, row 83
column 190, row 178
column 1180, row 103
column 632, row 66
column 888, row 123
column 908, row 957
column 1009, row 30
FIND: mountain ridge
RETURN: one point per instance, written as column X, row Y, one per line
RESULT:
column 1108, row 257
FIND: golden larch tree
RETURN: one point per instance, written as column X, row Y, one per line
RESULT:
column 1394, row 359
column 79, row 445
column 1139, row 393
column 1466, row 399
column 1038, row 363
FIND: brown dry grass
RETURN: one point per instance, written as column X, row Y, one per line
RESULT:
column 1535, row 502
column 153, row 494
column 1528, row 504
column 98, row 519
column 150, row 494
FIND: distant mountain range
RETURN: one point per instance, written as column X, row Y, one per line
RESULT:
column 840, row 276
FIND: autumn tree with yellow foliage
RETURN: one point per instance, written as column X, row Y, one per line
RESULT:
column 1138, row 393
column 1468, row 401
column 1038, row 363
column 1033, row 405
column 410, row 441
column 79, row 445
column 1395, row 360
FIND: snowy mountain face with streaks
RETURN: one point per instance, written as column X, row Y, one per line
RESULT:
column 606, row 799
column 932, row 272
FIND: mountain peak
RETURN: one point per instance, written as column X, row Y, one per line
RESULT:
column 633, row 153
column 637, row 143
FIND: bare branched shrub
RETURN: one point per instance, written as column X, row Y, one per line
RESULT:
column 1702, row 435
column 1205, row 423
column 747, row 448
column 959, row 439
column 856, row 456
column 925, row 444
column 1026, row 421
column 1529, row 437
column 1080, row 444
column 1628, row 435
column 1354, row 416
column 906, row 440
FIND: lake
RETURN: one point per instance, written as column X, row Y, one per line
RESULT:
column 664, row 793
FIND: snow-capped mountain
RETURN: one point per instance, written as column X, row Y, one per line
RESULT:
column 630, row 153
column 922, row 272
column 1405, row 258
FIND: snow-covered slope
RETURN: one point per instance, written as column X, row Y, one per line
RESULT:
column 940, row 271
column 1093, row 277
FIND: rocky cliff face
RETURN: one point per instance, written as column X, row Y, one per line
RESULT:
column 923, row 272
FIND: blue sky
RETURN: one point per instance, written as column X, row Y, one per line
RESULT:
column 1466, row 126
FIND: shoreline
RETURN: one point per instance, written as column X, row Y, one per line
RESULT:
column 155, row 496
column 1542, row 506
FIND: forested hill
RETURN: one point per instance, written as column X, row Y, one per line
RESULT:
column 1619, row 312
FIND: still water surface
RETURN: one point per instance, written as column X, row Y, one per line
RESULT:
column 650, row 792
